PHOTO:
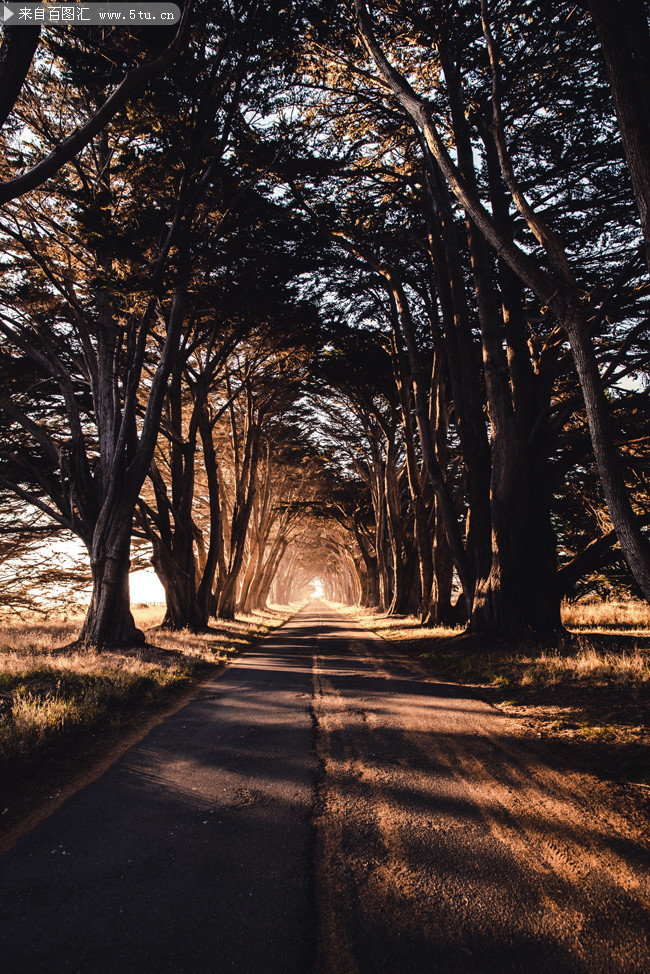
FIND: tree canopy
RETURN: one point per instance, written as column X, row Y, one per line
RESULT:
column 348, row 295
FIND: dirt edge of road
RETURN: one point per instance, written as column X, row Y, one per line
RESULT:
column 597, row 761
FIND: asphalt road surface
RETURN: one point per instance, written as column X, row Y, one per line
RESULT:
column 326, row 805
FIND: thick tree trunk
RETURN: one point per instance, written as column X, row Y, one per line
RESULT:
column 250, row 580
column 372, row 585
column 441, row 612
column 520, row 590
column 262, row 590
column 370, row 579
column 406, row 597
column 183, row 610
column 109, row 621
column 498, row 604
column 171, row 527
column 379, row 507
column 227, row 603
column 421, row 526
column 521, row 593
column 634, row 544
column 215, row 564
column 400, row 554
column 463, row 360
column 350, row 588
column 246, row 486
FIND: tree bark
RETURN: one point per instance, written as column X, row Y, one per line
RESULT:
column 625, row 40
column 215, row 560
column 246, row 487
column 16, row 54
column 370, row 588
column 109, row 621
column 463, row 360
column 635, row 546
column 421, row 526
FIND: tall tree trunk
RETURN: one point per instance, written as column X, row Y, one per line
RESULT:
column 109, row 621
column 396, row 527
column 497, row 605
column 228, row 596
column 421, row 526
column 379, row 509
column 263, row 587
column 634, row 544
column 463, row 360
column 183, row 610
column 370, row 589
column 441, row 611
column 625, row 40
column 215, row 560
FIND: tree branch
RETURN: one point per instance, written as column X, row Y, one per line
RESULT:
column 66, row 150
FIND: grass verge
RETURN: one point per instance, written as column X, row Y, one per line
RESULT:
column 59, row 709
column 591, row 696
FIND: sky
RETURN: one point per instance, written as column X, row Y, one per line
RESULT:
column 145, row 587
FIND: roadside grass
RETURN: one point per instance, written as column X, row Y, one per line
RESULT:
column 591, row 690
column 588, row 664
column 607, row 616
column 49, row 692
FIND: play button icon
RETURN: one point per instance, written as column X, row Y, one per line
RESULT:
column 6, row 13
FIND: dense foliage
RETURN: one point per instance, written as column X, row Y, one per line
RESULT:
column 345, row 294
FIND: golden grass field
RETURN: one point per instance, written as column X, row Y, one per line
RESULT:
column 579, row 658
column 607, row 616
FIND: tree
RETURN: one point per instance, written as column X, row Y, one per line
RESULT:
column 16, row 54
column 555, row 286
column 111, row 306
column 625, row 40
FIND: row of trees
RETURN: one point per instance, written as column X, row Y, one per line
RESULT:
column 483, row 194
column 331, row 292
column 139, row 284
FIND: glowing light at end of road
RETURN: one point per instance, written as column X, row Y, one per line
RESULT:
column 317, row 590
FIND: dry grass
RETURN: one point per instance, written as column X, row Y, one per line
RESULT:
column 591, row 692
column 592, row 664
column 607, row 616
column 47, row 692
column 589, row 617
column 530, row 662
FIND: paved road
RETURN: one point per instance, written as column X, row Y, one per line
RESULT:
column 325, row 805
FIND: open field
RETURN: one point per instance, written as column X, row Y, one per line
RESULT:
column 590, row 694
